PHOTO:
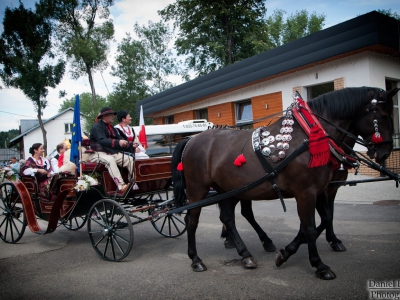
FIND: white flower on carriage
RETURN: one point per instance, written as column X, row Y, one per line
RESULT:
column 6, row 172
column 85, row 182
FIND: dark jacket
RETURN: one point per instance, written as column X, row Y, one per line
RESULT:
column 105, row 138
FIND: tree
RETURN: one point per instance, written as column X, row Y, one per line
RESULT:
column 142, row 66
column 85, row 42
column 89, row 111
column 389, row 13
column 214, row 34
column 25, row 53
column 158, row 58
column 296, row 26
column 129, row 68
column 7, row 136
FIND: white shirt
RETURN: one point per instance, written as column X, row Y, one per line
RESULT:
column 128, row 131
column 32, row 171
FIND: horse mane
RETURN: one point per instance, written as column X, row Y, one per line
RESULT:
column 345, row 103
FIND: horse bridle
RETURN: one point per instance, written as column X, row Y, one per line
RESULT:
column 369, row 145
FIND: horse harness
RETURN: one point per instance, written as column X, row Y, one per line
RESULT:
column 264, row 149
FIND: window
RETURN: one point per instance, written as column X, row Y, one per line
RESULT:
column 244, row 114
column 68, row 127
column 201, row 114
column 391, row 84
column 169, row 120
column 318, row 90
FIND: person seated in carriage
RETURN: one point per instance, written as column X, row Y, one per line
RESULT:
column 39, row 167
column 109, row 147
column 57, row 160
column 127, row 132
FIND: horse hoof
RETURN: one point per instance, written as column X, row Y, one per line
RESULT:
column 326, row 274
column 249, row 262
column 229, row 245
column 338, row 247
column 199, row 267
column 279, row 260
column 270, row 247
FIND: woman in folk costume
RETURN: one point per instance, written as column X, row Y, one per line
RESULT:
column 40, row 167
column 124, row 128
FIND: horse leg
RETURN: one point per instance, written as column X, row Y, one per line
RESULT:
column 306, row 211
column 284, row 254
column 247, row 212
column 324, row 212
column 192, row 221
column 335, row 243
column 227, row 217
column 228, row 243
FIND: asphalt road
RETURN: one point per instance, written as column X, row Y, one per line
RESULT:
column 63, row 265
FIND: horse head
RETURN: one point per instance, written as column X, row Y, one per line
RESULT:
column 375, row 125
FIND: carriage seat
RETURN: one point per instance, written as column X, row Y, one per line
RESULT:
column 30, row 183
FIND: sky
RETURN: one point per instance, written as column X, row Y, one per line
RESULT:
column 125, row 13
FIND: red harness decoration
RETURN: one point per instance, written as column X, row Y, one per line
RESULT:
column 318, row 139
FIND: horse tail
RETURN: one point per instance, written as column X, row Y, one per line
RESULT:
column 178, row 178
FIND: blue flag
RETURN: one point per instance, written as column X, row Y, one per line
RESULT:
column 76, row 134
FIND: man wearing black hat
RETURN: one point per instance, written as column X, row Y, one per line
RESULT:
column 109, row 145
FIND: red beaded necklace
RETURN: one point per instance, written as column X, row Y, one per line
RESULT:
column 128, row 132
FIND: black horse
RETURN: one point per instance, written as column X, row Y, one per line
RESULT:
column 207, row 160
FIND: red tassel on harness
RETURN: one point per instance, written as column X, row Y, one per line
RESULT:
column 180, row 167
column 240, row 160
column 318, row 147
column 377, row 138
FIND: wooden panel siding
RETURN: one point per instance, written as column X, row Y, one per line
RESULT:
column 158, row 121
column 226, row 111
column 274, row 102
column 184, row 116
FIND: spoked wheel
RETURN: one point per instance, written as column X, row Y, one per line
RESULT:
column 110, row 230
column 12, row 215
column 168, row 225
column 75, row 224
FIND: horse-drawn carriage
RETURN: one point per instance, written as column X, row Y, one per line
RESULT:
column 109, row 214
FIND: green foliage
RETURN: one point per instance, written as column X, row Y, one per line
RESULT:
column 85, row 43
column 142, row 67
column 7, row 136
column 158, row 57
column 88, row 109
column 296, row 26
column 129, row 68
column 214, row 34
column 25, row 49
column 389, row 13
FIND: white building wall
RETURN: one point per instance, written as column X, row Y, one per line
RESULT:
column 55, row 133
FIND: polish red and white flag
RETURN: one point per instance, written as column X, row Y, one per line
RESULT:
column 142, row 130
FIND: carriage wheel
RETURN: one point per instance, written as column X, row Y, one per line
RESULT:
column 75, row 224
column 110, row 230
column 168, row 225
column 12, row 215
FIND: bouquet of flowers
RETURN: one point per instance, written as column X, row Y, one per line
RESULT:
column 8, row 173
column 85, row 182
